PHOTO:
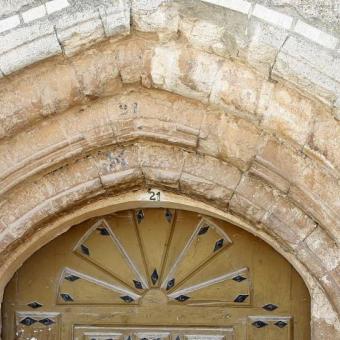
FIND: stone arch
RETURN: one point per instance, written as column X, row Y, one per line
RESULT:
column 185, row 104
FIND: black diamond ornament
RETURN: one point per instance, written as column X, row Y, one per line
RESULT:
column 138, row 284
column 154, row 277
column 241, row 298
column 280, row 324
column 127, row 298
column 177, row 337
column 46, row 322
column 182, row 298
column 71, row 278
column 34, row 305
column 239, row 278
column 66, row 297
column 168, row 215
column 28, row 321
column 219, row 244
column 170, row 284
column 259, row 324
column 203, row 230
column 139, row 216
column 269, row 307
column 103, row 231
column 85, row 250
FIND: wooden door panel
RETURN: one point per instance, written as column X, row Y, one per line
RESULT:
column 160, row 273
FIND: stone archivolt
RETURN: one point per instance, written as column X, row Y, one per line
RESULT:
column 172, row 106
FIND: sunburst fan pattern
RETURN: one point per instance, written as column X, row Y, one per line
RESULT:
column 155, row 249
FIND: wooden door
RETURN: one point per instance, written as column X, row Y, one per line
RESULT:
column 156, row 274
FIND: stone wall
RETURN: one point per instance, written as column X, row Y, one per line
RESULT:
column 220, row 104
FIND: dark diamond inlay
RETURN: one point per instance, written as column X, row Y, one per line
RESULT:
column 203, row 230
column 280, row 324
column 170, row 284
column 127, row 298
column 46, row 322
column 71, row 277
column 28, row 321
column 239, row 278
column 138, row 284
column 103, row 231
column 168, row 215
column 139, row 215
column 85, row 250
column 219, row 244
column 241, row 298
column 154, row 277
column 259, row 324
column 34, row 305
column 66, row 297
column 178, row 338
column 182, row 298
column 269, row 307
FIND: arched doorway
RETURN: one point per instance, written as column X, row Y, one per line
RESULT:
column 156, row 274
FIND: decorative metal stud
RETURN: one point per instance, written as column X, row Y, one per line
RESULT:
column 46, row 322
column 270, row 307
column 71, row 277
column 259, row 324
column 182, row 298
column 139, row 216
column 103, row 231
column 85, row 250
column 138, row 284
column 154, row 277
column 34, row 305
column 203, row 230
column 241, row 298
column 168, row 215
column 28, row 321
column 170, row 284
column 219, row 244
column 127, row 298
column 280, row 324
column 239, row 278
column 66, row 297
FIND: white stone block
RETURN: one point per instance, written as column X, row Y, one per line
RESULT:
column 235, row 5
column 9, row 23
column 30, row 53
column 56, row 5
column 316, row 35
column 116, row 20
column 273, row 17
column 147, row 5
column 34, row 13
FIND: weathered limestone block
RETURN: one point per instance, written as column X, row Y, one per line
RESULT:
column 288, row 222
column 324, row 248
column 307, row 66
column 212, row 170
column 184, row 71
column 80, row 28
column 97, row 72
column 230, row 138
column 313, row 186
column 214, row 29
column 161, row 164
column 46, row 92
column 326, row 138
column 161, row 18
column 287, row 113
column 253, row 198
column 27, row 45
column 264, row 44
column 237, row 87
column 204, row 190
